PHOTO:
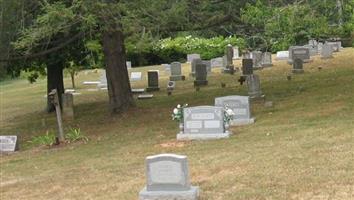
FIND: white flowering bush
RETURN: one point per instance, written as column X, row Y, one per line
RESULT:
column 177, row 113
column 228, row 114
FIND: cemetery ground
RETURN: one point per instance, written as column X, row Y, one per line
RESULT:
column 300, row 148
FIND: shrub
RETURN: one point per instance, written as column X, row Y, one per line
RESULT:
column 48, row 139
column 75, row 134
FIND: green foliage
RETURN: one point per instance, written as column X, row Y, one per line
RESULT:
column 48, row 139
column 74, row 135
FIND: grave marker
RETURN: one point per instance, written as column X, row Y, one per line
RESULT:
column 254, row 87
column 247, row 66
column 153, row 80
column 203, row 122
column 191, row 57
column 298, row 66
column 241, row 107
column 168, row 178
column 201, row 75
column 8, row 143
column 267, row 59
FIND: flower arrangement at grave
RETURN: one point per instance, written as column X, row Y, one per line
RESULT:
column 177, row 115
column 228, row 115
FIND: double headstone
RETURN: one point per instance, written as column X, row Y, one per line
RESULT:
column 200, row 74
column 241, row 107
column 176, row 72
column 203, row 122
column 167, row 178
column 267, row 59
column 302, row 53
column 257, row 59
column 191, row 57
column 254, row 86
column 326, row 51
column 247, row 66
column 153, row 80
column 298, row 66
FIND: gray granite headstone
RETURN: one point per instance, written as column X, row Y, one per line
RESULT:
column 8, row 143
column 247, row 55
column 335, row 46
column 267, row 59
column 247, row 66
column 191, row 57
column 176, row 71
column 68, row 105
column 254, row 86
column 313, row 42
column 241, row 107
column 167, row 68
column 201, row 74
column 313, row 50
column 153, row 80
column 257, row 59
column 229, row 53
column 208, row 65
column 194, row 64
column 103, row 81
column 302, row 53
column 203, row 122
column 168, row 178
column 326, row 51
column 216, row 62
column 298, row 66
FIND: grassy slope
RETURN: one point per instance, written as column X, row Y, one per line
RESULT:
column 302, row 148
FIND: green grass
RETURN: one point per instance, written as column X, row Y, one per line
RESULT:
column 301, row 148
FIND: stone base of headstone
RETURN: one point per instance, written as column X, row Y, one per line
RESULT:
column 200, row 83
column 297, row 71
column 151, row 89
column 177, row 78
column 145, row 96
column 230, row 70
column 202, row 136
column 239, row 122
column 303, row 61
column 191, row 194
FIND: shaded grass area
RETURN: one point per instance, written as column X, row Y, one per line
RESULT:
column 301, row 148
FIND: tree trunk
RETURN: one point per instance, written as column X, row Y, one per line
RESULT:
column 119, row 90
column 54, row 81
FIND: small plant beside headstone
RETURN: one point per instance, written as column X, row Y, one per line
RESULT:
column 177, row 115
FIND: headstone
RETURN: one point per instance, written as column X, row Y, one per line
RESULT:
column 167, row 178
column 241, row 107
column 68, row 106
column 153, row 80
column 299, row 52
column 326, row 51
column 91, row 82
column 103, row 81
column 167, row 68
column 216, row 62
column 193, row 65
column 313, row 50
column 201, row 75
column 135, row 76
column 129, row 64
column 229, row 53
column 282, row 55
column 203, row 122
column 224, row 62
column 236, row 53
column 8, row 143
column 267, row 59
column 313, row 42
column 254, row 86
column 247, row 66
column 138, row 90
column 335, row 46
column 208, row 65
column 298, row 66
column 319, row 47
column 257, row 59
column 176, row 71
column 247, row 55
column 191, row 57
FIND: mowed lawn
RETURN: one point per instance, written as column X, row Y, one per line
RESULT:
column 301, row 148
